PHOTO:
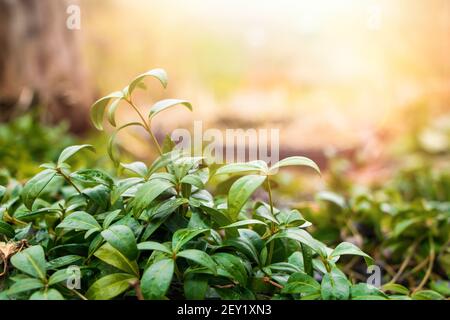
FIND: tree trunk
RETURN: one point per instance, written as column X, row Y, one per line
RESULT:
column 41, row 64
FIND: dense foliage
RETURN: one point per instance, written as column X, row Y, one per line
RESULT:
column 405, row 225
column 26, row 143
column 160, row 233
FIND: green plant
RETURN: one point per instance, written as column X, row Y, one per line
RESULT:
column 160, row 233
column 25, row 143
column 404, row 224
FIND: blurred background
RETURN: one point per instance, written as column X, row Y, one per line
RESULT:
column 366, row 80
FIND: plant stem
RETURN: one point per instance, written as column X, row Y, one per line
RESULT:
column 415, row 269
column 272, row 225
column 8, row 218
column 430, row 266
column 271, row 247
column 406, row 261
column 147, row 126
column 137, row 287
column 78, row 294
column 155, row 141
column 68, row 180
column 177, row 271
column 269, row 190
column 5, row 266
column 268, row 280
column 225, row 286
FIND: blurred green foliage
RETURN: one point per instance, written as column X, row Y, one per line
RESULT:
column 25, row 143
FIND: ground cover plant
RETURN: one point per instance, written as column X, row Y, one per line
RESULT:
column 157, row 233
column 404, row 225
column 26, row 143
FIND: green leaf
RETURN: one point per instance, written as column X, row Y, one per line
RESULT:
column 335, row 285
column 110, row 147
column 27, row 216
column 200, row 257
column 441, row 286
column 148, row 192
column 181, row 166
column 245, row 223
column 163, row 176
column 220, row 218
column 427, row 295
column 63, row 261
column 195, row 286
column 98, row 108
column 405, row 224
column 240, row 192
column 112, row 111
column 110, row 217
column 109, row 286
column 294, row 161
column 99, row 195
column 90, row 232
column 152, row 227
column 301, row 283
column 399, row 297
column 31, row 261
column 95, row 244
column 122, row 187
column 114, row 257
column 245, row 246
column 252, row 167
column 263, row 210
column 69, row 248
column 167, row 145
column 301, row 236
column 163, row 160
column 165, row 208
column 59, row 276
column 122, row 238
column 231, row 266
column 364, row 291
column 159, row 74
column 92, row 177
column 6, row 230
column 70, row 151
column 49, row 294
column 296, row 259
column 332, row 197
column 235, row 293
column 307, row 259
column 79, row 220
column 152, row 245
column 349, row 248
column 23, row 285
column 34, row 187
column 157, row 278
column 397, row 288
column 284, row 267
column 292, row 218
column 165, row 104
column 193, row 180
column 183, row 236
column 137, row 167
